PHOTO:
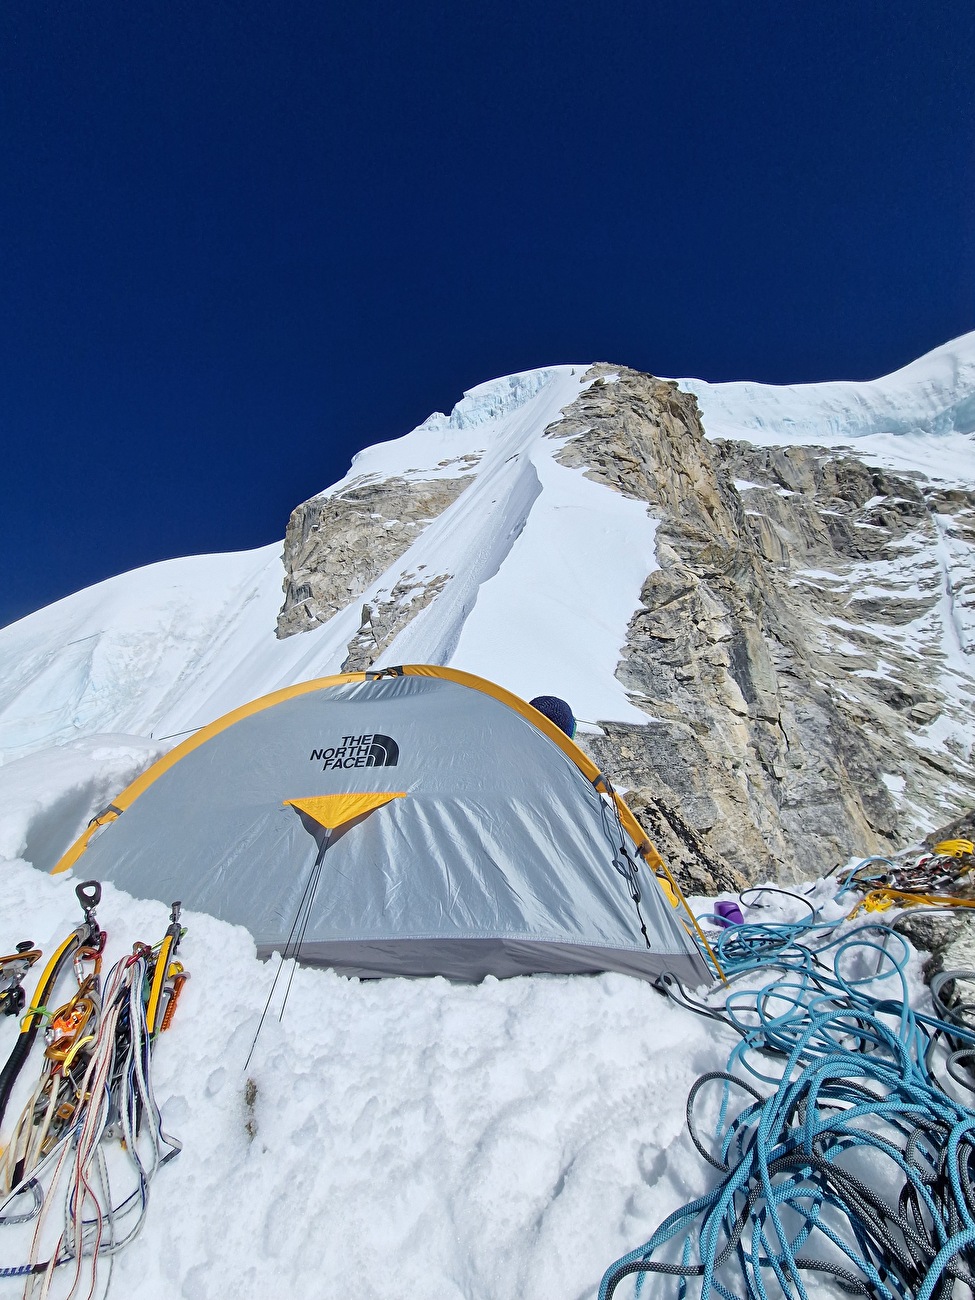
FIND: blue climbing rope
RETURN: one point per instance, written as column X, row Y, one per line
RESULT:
column 850, row 1151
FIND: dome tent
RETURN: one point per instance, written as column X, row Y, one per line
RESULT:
column 415, row 821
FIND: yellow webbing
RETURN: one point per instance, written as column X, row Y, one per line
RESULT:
column 879, row 900
column 954, row 848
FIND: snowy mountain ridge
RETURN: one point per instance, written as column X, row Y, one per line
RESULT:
column 933, row 395
column 479, row 546
column 491, row 400
column 771, row 636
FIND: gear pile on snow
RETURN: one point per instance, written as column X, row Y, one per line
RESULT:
column 91, row 1115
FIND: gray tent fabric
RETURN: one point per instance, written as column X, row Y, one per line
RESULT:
column 498, row 859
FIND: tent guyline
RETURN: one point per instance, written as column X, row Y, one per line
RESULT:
column 467, row 835
column 329, row 812
column 293, row 944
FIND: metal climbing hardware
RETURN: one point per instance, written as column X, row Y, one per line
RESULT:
column 86, row 935
column 92, row 1119
column 175, row 980
column 168, row 977
column 70, row 1022
column 89, row 895
column 13, row 968
column 946, row 870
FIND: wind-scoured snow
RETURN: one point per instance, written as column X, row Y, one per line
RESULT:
column 551, row 571
column 918, row 420
column 135, row 653
column 559, row 606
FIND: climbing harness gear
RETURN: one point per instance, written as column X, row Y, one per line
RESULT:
column 51, row 1108
column 13, row 968
column 884, row 884
column 98, row 1058
column 86, row 935
column 950, row 864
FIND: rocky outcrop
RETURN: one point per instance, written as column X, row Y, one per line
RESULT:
column 386, row 619
column 336, row 546
column 961, row 828
column 781, row 652
column 699, row 869
column 801, row 652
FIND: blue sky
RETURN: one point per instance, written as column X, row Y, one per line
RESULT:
column 240, row 240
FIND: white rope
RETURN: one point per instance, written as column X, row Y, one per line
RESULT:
column 119, row 1092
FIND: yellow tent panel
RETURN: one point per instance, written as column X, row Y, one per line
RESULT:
column 332, row 810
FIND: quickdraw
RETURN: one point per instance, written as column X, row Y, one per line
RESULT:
column 950, row 865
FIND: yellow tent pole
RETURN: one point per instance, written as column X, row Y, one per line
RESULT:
column 694, row 921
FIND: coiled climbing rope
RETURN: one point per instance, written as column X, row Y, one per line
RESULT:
column 845, row 1134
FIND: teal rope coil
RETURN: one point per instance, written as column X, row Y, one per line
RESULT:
column 845, row 1141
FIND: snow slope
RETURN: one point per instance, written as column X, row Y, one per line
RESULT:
column 408, row 1138
column 933, row 396
column 172, row 646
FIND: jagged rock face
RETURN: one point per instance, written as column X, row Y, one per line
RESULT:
column 336, row 546
column 784, row 699
column 789, row 652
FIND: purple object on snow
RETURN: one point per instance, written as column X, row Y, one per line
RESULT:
column 730, row 912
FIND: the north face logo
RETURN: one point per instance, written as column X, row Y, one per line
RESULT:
column 359, row 751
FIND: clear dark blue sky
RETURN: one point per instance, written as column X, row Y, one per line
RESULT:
column 240, row 239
